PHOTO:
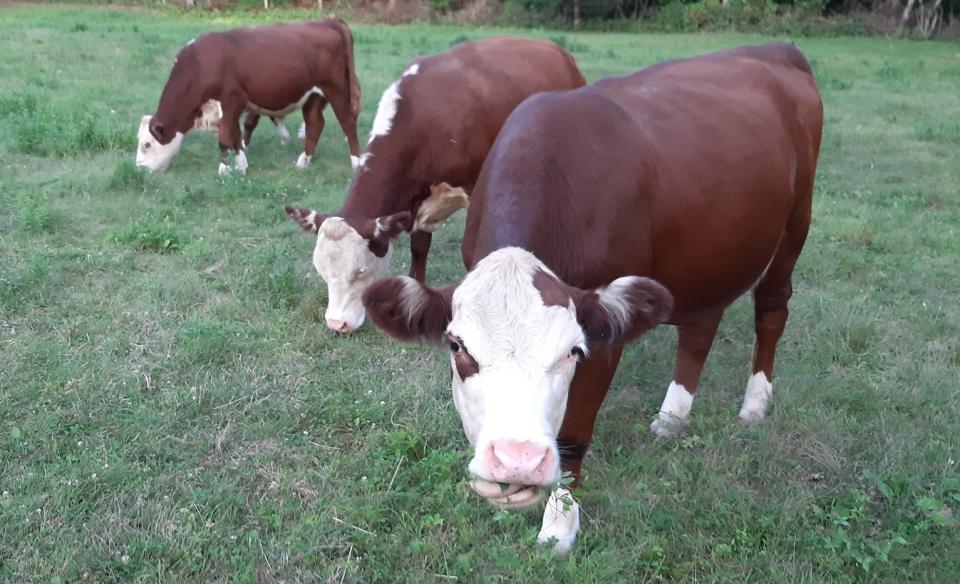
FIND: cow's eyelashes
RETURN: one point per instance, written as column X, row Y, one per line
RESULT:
column 455, row 347
column 578, row 353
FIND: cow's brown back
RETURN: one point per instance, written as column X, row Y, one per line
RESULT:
column 687, row 172
column 449, row 114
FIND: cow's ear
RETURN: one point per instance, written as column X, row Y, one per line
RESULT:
column 380, row 231
column 158, row 130
column 308, row 219
column 443, row 201
column 623, row 310
column 389, row 227
column 407, row 310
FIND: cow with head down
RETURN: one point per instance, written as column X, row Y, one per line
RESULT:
column 688, row 184
column 433, row 129
column 264, row 71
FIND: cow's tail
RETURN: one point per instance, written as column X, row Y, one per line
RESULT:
column 353, row 84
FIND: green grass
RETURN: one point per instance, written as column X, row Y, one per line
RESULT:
column 172, row 408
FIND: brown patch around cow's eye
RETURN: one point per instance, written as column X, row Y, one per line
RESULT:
column 552, row 291
column 465, row 363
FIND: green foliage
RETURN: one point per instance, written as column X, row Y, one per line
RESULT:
column 126, row 175
column 150, row 234
column 50, row 132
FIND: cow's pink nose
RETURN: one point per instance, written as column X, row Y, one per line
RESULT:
column 527, row 463
column 338, row 326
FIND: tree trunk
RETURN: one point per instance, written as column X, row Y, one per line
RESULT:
column 576, row 14
column 906, row 13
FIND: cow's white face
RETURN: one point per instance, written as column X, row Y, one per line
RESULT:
column 344, row 260
column 151, row 154
column 516, row 333
column 513, row 357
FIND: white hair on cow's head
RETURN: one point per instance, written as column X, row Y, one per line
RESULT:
column 151, row 154
column 615, row 300
column 335, row 228
column 387, row 108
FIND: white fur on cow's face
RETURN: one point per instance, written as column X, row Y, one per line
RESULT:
column 153, row 155
column 343, row 259
column 523, row 349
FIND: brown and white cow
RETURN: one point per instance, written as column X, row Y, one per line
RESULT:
column 265, row 71
column 433, row 129
column 696, row 176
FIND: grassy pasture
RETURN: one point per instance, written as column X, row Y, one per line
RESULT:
column 172, row 409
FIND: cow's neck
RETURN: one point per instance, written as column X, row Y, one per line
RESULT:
column 386, row 183
column 180, row 98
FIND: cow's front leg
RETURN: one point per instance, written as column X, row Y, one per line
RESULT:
column 230, row 137
column 561, row 517
column 693, row 346
column 419, row 250
column 561, row 521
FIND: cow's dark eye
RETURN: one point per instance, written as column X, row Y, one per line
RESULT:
column 455, row 347
column 578, row 353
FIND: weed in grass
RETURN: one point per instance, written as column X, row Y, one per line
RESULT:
column 49, row 132
column 126, row 175
column 18, row 103
column 149, row 234
column 34, row 216
column 571, row 45
column 205, row 342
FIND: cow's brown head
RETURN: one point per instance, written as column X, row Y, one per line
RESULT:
column 515, row 333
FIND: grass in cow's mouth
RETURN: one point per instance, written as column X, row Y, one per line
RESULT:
column 184, row 416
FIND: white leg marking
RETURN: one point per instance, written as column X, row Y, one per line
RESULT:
column 674, row 412
column 756, row 398
column 302, row 132
column 354, row 161
column 282, row 132
column 303, row 161
column 243, row 144
column 224, row 170
column 240, row 162
column 561, row 521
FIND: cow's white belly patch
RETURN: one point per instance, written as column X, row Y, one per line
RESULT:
column 252, row 107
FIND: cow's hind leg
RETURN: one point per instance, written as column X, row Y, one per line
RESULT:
column 693, row 346
column 249, row 125
column 561, row 517
column 340, row 103
column 419, row 250
column 230, row 137
column 770, row 299
column 313, row 119
column 281, row 130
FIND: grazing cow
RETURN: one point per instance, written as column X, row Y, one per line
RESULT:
column 264, row 71
column 433, row 129
column 696, row 175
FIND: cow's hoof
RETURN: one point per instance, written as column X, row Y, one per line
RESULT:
column 303, row 161
column 561, row 521
column 666, row 426
column 224, row 170
column 756, row 398
column 240, row 163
